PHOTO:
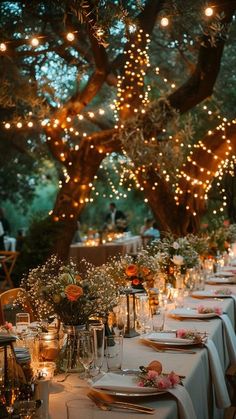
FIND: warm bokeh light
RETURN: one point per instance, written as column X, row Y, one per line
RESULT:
column 70, row 37
column 3, row 47
column 164, row 21
column 209, row 11
column 34, row 42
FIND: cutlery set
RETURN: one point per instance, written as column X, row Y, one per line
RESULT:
column 110, row 404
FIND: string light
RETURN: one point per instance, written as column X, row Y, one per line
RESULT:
column 70, row 37
column 164, row 21
column 34, row 42
column 3, row 47
column 208, row 11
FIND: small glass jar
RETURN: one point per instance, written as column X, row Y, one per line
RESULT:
column 48, row 345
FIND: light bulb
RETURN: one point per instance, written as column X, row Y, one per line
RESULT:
column 3, row 47
column 70, row 37
column 164, row 21
column 209, row 11
column 34, row 42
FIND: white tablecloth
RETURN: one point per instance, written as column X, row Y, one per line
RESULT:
column 195, row 367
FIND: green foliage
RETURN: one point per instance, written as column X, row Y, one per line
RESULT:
column 38, row 244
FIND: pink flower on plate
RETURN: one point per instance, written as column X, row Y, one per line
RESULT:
column 181, row 333
column 141, row 384
column 174, row 378
column 152, row 375
column 218, row 310
column 163, row 383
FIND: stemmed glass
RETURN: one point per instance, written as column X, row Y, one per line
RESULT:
column 86, row 351
column 98, row 334
column 143, row 311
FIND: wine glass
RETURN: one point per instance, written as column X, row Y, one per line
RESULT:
column 98, row 333
column 86, row 351
column 143, row 311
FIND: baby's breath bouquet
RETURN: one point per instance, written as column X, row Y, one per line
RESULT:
column 56, row 288
column 172, row 253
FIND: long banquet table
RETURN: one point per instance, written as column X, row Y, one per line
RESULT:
column 195, row 368
column 98, row 255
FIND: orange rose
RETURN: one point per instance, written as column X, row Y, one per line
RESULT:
column 145, row 271
column 73, row 292
column 131, row 270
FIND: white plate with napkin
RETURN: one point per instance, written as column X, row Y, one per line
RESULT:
column 125, row 385
column 190, row 313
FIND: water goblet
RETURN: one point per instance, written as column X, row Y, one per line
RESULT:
column 86, row 351
column 98, row 334
column 22, row 322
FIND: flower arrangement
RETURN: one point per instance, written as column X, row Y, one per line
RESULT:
column 196, row 337
column 205, row 310
column 138, row 274
column 55, row 288
column 181, row 253
column 157, row 380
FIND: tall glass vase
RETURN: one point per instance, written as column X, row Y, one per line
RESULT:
column 68, row 359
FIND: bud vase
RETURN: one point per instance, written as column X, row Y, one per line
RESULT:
column 68, row 359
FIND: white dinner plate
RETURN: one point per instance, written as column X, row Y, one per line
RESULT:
column 190, row 313
column 217, row 280
column 224, row 274
column 209, row 294
column 123, row 385
column 168, row 339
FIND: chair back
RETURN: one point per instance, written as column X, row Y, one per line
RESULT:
column 8, row 310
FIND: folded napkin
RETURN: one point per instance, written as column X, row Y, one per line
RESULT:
column 185, row 405
column 218, row 379
column 230, row 338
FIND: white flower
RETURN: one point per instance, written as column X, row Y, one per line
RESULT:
column 178, row 260
column 175, row 245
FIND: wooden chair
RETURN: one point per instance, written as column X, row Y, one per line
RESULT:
column 7, row 299
column 7, row 262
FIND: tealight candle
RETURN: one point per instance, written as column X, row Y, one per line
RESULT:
column 46, row 370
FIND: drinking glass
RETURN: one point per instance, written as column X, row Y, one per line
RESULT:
column 158, row 320
column 80, row 408
column 98, row 333
column 143, row 311
column 22, row 322
column 86, row 350
column 114, row 352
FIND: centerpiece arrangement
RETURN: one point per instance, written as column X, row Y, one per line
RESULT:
column 175, row 256
column 138, row 274
column 57, row 289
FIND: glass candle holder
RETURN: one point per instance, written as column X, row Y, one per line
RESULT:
column 46, row 370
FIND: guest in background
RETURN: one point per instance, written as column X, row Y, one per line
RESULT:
column 6, row 242
column 147, row 224
column 151, row 234
column 115, row 219
column 77, row 236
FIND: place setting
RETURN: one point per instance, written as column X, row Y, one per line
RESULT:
column 120, row 389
